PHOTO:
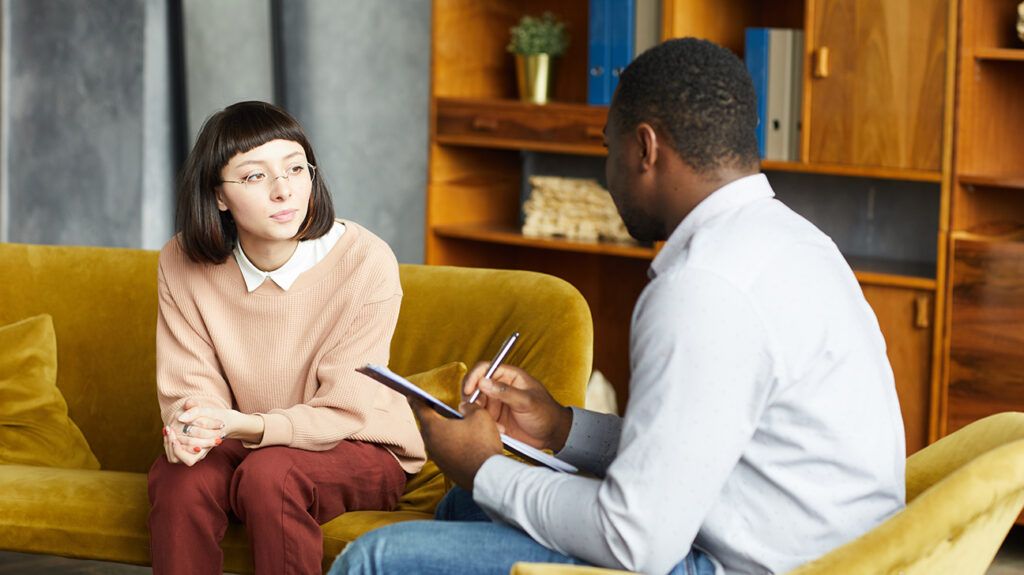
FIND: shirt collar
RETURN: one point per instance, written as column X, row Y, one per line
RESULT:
column 302, row 259
column 731, row 196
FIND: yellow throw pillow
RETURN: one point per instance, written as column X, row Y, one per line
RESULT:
column 425, row 489
column 34, row 425
column 444, row 383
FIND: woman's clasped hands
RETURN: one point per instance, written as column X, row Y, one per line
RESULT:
column 191, row 435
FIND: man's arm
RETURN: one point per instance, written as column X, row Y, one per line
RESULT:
column 593, row 441
column 700, row 383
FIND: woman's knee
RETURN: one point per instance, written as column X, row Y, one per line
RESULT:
column 265, row 478
column 184, row 485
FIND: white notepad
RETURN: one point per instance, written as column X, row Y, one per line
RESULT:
column 409, row 389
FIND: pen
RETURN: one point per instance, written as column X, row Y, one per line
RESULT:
column 502, row 352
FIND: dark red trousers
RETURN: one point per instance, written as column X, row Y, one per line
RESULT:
column 281, row 494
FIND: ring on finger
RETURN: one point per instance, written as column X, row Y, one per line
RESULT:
column 186, row 428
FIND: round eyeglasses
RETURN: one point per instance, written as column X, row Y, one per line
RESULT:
column 259, row 181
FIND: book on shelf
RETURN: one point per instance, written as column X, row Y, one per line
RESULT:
column 774, row 58
column 598, row 54
column 619, row 30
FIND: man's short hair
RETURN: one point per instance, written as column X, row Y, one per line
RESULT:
column 699, row 95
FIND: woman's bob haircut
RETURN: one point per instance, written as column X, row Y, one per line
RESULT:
column 208, row 235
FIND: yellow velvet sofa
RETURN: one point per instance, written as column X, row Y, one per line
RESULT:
column 103, row 304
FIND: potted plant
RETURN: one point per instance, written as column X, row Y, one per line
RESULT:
column 535, row 43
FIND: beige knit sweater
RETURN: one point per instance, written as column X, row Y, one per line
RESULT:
column 288, row 356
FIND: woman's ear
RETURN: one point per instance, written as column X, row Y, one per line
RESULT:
column 219, row 193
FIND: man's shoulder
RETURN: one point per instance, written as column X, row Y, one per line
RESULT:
column 755, row 243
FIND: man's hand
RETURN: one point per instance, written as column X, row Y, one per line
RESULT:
column 458, row 446
column 521, row 406
column 207, row 425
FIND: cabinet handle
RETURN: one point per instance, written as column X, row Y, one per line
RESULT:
column 922, row 319
column 594, row 133
column 484, row 124
column 820, row 59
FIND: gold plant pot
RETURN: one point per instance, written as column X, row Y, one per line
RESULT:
column 534, row 73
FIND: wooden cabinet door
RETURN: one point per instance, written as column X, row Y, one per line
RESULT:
column 986, row 337
column 905, row 317
column 881, row 102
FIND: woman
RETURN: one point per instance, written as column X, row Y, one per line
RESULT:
column 267, row 304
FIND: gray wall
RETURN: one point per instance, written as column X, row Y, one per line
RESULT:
column 74, row 115
column 88, row 114
column 228, row 56
column 85, row 150
column 357, row 75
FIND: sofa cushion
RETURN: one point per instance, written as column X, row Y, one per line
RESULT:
column 34, row 425
column 102, row 514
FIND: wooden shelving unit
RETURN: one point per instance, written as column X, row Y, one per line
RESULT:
column 510, row 236
column 894, row 132
column 906, row 174
column 1015, row 182
column 1000, row 54
column 983, row 347
column 567, row 128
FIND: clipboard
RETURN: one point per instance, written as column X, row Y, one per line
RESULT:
column 409, row 389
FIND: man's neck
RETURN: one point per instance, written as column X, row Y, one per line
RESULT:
column 695, row 188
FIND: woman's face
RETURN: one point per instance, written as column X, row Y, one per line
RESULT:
column 267, row 192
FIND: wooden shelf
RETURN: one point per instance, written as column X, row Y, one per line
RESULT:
column 567, row 128
column 853, row 171
column 513, row 125
column 999, row 54
column 982, row 181
column 507, row 235
column 920, row 275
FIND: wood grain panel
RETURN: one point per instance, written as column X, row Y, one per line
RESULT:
column 986, row 357
column 571, row 68
column 469, row 186
column 724, row 21
column 469, row 57
column 470, row 37
column 909, row 347
column 564, row 128
column 882, row 103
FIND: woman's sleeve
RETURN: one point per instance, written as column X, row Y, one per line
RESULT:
column 186, row 364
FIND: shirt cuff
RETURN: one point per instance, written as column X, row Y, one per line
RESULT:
column 277, row 430
column 593, row 441
column 491, row 481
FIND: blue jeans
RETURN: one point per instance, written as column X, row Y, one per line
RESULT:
column 464, row 540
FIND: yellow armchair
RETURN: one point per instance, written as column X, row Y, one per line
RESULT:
column 103, row 304
column 964, row 492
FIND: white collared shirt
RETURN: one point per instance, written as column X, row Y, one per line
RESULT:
column 763, row 424
column 307, row 254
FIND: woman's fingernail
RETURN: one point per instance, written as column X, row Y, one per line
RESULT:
column 196, row 450
column 163, row 430
column 217, row 441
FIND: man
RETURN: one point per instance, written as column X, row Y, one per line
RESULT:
column 763, row 427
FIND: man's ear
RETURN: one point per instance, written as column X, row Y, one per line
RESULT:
column 647, row 141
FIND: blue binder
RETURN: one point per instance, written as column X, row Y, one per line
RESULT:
column 599, row 54
column 623, row 39
column 756, row 56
